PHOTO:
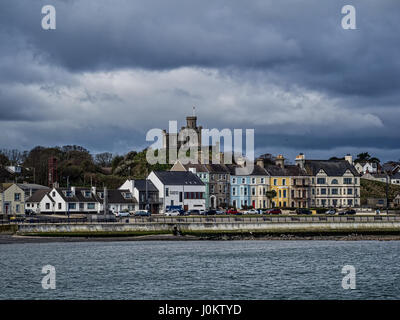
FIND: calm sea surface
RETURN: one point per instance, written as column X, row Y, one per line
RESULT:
column 201, row 270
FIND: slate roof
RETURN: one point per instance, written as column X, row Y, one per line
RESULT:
column 396, row 176
column 78, row 197
column 141, row 185
column 199, row 167
column 115, row 196
column 211, row 168
column 288, row 171
column 217, row 168
column 391, row 166
column 38, row 195
column 178, row 178
column 331, row 167
column 29, row 186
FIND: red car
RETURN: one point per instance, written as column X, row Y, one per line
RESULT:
column 232, row 211
column 274, row 211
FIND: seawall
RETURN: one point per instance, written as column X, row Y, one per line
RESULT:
column 214, row 228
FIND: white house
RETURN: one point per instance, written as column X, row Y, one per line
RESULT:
column 365, row 167
column 145, row 193
column 79, row 200
column 181, row 189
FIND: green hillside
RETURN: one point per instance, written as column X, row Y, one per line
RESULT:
column 377, row 189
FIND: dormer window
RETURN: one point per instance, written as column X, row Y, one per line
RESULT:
column 68, row 193
column 127, row 195
column 87, row 194
column 101, row 195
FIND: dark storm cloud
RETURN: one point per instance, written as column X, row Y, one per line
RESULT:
column 298, row 41
column 291, row 44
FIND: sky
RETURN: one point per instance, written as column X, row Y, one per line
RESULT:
column 113, row 70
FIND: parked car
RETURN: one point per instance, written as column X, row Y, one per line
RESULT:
column 211, row 212
column 122, row 213
column 274, row 211
column 251, row 211
column 346, row 212
column 233, row 211
column 194, row 212
column 303, row 211
column 331, row 211
column 220, row 212
column 173, row 213
column 142, row 213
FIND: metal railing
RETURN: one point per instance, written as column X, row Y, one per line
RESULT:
column 210, row 219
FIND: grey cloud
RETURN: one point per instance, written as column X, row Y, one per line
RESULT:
column 297, row 46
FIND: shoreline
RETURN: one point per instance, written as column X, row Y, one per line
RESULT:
column 15, row 239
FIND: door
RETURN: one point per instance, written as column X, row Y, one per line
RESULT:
column 7, row 208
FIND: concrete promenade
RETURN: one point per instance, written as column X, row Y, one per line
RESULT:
column 313, row 224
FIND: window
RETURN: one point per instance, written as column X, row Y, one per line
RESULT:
column 53, row 194
column 17, row 208
column 245, row 191
column 233, row 180
column 181, row 197
column 335, row 191
column 68, row 193
column 243, row 180
column 321, row 181
column 234, row 191
column 334, row 181
column 253, row 191
column 87, row 194
column 275, row 182
column 71, row 206
column 166, row 192
column 90, row 206
column 17, row 197
column 323, row 191
column 47, row 206
column 253, row 180
column 349, row 191
column 59, row 206
column 262, row 180
column 284, row 195
column 284, row 182
column 81, row 206
column 347, row 180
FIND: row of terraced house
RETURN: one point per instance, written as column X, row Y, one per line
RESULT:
column 272, row 183
column 307, row 183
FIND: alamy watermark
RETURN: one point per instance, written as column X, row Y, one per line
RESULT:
column 49, row 280
column 49, row 20
column 349, row 20
column 349, row 280
column 187, row 147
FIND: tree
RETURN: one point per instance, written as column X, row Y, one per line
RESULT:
column 103, row 159
column 270, row 195
column 366, row 157
column 14, row 156
column 4, row 161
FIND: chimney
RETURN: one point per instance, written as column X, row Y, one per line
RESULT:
column 192, row 170
column 280, row 161
column 300, row 160
column 73, row 190
column 260, row 162
column 349, row 159
column 94, row 190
